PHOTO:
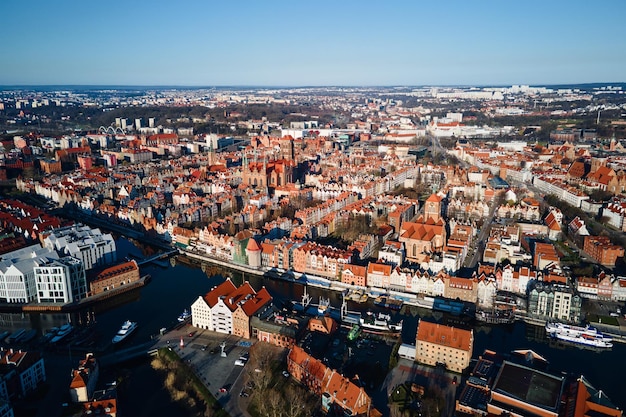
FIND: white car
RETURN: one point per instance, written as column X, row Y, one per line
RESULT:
column 239, row 362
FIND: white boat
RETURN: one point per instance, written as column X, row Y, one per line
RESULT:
column 588, row 336
column 553, row 327
column 127, row 328
column 184, row 315
column 381, row 322
column 63, row 331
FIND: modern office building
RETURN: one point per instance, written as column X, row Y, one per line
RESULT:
column 91, row 246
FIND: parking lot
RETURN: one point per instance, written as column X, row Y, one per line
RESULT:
column 201, row 350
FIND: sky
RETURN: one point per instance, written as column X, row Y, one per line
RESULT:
column 311, row 43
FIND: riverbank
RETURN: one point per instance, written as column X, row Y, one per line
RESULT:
column 73, row 306
column 618, row 333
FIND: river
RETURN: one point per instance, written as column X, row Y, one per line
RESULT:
column 175, row 288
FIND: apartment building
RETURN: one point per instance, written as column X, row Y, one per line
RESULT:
column 438, row 344
column 602, row 250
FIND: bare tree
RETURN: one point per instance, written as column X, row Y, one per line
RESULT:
column 298, row 402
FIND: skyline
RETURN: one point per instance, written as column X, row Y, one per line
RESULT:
column 289, row 44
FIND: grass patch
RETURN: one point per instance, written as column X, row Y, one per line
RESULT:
column 601, row 319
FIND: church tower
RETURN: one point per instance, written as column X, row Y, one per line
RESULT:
column 287, row 149
column 432, row 208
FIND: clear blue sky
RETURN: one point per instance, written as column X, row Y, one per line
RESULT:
column 297, row 42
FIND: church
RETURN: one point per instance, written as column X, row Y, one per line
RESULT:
column 426, row 235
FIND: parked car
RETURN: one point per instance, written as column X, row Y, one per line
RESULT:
column 239, row 362
column 286, row 374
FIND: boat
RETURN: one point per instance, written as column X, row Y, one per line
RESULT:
column 4, row 335
column 562, row 328
column 354, row 332
column 126, row 330
column 184, row 315
column 388, row 302
column 28, row 336
column 63, row 331
column 380, row 322
column 496, row 316
column 323, row 306
column 588, row 336
column 455, row 307
column 15, row 335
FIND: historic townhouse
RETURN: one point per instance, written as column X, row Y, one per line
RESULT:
column 338, row 393
column 439, row 344
column 464, row 289
column 227, row 309
column 354, row 275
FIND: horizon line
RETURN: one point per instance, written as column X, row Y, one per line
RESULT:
column 200, row 86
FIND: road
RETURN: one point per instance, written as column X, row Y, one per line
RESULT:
column 483, row 234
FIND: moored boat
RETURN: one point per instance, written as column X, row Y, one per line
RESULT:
column 588, row 336
column 14, row 337
column 28, row 336
column 126, row 330
column 380, row 322
column 184, row 315
column 388, row 302
column 63, row 331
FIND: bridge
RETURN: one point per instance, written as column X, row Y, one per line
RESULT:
column 134, row 352
column 158, row 257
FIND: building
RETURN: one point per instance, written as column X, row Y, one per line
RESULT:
column 115, row 277
column 21, row 373
column 602, row 250
column 438, row 344
column 60, row 280
column 228, row 309
column 338, row 394
column 84, row 379
column 18, row 283
column 101, row 408
column 90, row 246
column 521, row 386
column 553, row 301
column 276, row 330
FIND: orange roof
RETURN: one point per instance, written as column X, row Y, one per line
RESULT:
column 223, row 289
column 444, row 335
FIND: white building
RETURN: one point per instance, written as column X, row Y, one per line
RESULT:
column 60, row 280
column 17, row 273
column 88, row 245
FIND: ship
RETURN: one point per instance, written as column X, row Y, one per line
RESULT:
column 388, row 302
column 126, row 330
column 588, row 336
column 455, row 307
column 496, row 316
column 63, row 331
column 380, row 322
column 184, row 315
column 14, row 337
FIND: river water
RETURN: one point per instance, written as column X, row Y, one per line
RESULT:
column 175, row 288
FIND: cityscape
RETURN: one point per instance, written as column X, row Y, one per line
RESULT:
column 333, row 209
